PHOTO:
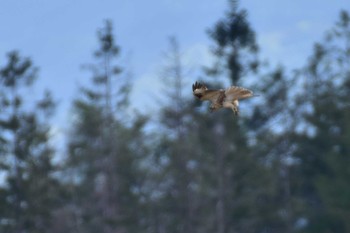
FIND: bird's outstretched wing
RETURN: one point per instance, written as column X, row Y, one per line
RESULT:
column 237, row 93
column 198, row 86
column 212, row 95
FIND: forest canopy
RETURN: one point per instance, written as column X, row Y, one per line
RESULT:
column 281, row 166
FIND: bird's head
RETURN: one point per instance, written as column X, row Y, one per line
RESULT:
column 199, row 89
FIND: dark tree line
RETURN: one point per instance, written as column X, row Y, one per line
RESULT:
column 281, row 166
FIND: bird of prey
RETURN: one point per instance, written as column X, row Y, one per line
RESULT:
column 222, row 98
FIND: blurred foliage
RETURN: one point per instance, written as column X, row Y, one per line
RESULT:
column 30, row 192
column 281, row 166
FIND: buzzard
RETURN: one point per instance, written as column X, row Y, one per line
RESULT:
column 222, row 98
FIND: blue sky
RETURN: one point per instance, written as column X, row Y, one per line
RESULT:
column 60, row 36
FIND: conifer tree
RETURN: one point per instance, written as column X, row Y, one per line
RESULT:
column 177, row 208
column 322, row 148
column 31, row 192
column 103, row 156
column 235, row 45
column 236, row 207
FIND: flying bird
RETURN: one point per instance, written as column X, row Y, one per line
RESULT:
column 222, row 98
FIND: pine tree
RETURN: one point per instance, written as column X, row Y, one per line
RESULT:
column 103, row 149
column 30, row 194
column 272, row 126
column 176, row 179
column 235, row 170
column 323, row 148
column 235, row 45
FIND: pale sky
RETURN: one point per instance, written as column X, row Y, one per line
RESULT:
column 60, row 36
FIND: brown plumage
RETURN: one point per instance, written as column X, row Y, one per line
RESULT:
column 222, row 98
